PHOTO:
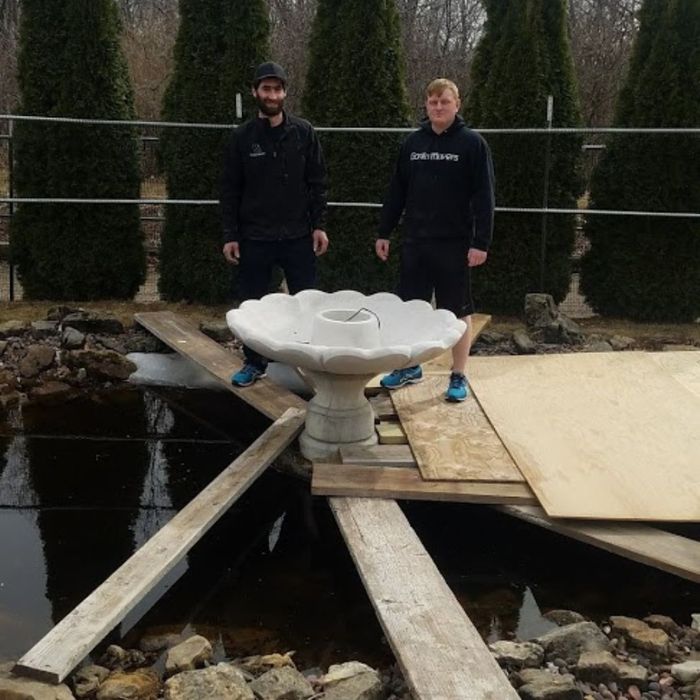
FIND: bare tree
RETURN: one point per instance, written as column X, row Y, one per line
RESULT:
column 602, row 34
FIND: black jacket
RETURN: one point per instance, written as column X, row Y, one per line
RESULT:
column 445, row 184
column 273, row 188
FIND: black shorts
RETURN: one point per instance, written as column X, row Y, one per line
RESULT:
column 437, row 266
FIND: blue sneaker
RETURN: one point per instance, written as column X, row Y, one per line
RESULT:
column 401, row 377
column 247, row 375
column 457, row 389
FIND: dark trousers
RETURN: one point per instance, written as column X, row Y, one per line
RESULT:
column 259, row 258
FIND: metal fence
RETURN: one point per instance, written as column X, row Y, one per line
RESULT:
column 154, row 197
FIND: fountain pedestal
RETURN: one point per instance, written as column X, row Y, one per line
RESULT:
column 338, row 414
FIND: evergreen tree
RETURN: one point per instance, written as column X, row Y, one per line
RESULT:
column 70, row 64
column 523, row 57
column 219, row 43
column 356, row 78
column 649, row 268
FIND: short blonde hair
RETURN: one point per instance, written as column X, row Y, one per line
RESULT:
column 439, row 85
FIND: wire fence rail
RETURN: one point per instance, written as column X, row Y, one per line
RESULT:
column 10, row 202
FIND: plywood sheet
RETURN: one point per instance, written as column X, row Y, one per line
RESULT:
column 382, row 455
column 451, row 441
column 597, row 435
column 407, row 483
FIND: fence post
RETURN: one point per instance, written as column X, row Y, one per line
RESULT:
column 11, row 186
column 545, row 196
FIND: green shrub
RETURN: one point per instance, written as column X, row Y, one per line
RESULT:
column 219, row 43
column 71, row 65
column 649, row 268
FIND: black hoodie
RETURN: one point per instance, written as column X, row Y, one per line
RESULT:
column 444, row 182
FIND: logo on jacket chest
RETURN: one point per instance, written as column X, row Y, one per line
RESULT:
column 256, row 151
column 434, row 155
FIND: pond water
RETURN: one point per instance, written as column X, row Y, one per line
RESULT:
column 85, row 483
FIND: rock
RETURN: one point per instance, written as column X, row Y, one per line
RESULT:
column 17, row 688
column 282, row 684
column 687, row 672
column 216, row 330
column 523, row 343
column 158, row 642
column 44, row 329
column 602, row 666
column 37, row 358
column 114, row 657
column 540, row 310
column 563, row 617
column 10, row 329
column 517, row 654
column 188, row 655
column 639, row 635
column 101, row 364
column 491, row 337
column 696, row 691
column 563, row 331
column 665, row 623
column 108, row 342
column 56, row 313
column 341, row 672
column 93, row 322
column 51, row 391
column 621, row 342
column 260, row 663
column 535, row 684
column 87, row 679
column 695, row 621
column 136, row 685
column 363, row 686
column 598, row 346
column 570, row 641
column 145, row 342
column 71, row 339
column 9, row 399
column 678, row 347
column 213, row 683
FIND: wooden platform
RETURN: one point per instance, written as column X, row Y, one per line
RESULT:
column 597, row 435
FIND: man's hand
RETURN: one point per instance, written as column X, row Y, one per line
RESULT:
column 232, row 252
column 381, row 248
column 476, row 257
column 320, row 241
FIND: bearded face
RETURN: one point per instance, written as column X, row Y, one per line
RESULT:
column 269, row 96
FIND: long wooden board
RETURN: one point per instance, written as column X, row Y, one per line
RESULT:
column 183, row 336
column 451, row 441
column 597, row 435
column 641, row 543
column 439, row 650
column 406, row 483
column 379, row 455
column 54, row 656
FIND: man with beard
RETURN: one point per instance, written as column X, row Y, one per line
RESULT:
column 273, row 200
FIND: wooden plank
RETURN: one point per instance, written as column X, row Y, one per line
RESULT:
column 641, row 543
column 183, row 336
column 684, row 366
column 597, row 435
column 54, row 656
column 406, row 483
column 391, row 434
column 380, row 455
column 440, row 652
column 441, row 364
column 451, row 441
column 383, row 407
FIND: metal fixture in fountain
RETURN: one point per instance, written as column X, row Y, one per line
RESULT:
column 340, row 341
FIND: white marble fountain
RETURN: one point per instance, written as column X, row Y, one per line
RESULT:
column 339, row 342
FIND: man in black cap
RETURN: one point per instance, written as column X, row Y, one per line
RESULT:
column 273, row 199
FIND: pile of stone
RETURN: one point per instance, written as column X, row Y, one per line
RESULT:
column 68, row 351
column 650, row 659
column 172, row 669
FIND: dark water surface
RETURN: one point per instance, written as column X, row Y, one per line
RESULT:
column 85, row 483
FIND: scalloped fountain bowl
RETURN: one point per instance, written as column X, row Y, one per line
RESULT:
column 340, row 341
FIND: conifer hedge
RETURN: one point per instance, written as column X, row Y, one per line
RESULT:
column 218, row 45
column 523, row 57
column 356, row 78
column 649, row 268
column 71, row 65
